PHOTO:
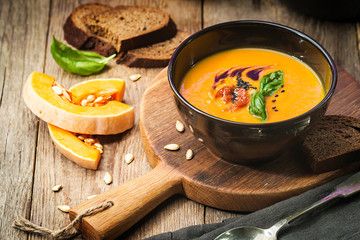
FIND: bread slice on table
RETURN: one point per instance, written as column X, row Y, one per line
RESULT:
column 129, row 27
column 334, row 143
column 156, row 55
column 77, row 34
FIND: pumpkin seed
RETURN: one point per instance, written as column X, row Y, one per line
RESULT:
column 89, row 140
column 56, row 188
column 57, row 90
column 82, row 137
column 172, row 147
column 189, row 154
column 135, row 77
column 98, row 145
column 91, row 196
column 98, row 99
column 191, row 129
column 180, row 126
column 129, row 158
column 84, row 102
column 108, row 178
column 66, row 94
column 64, row 208
column 90, row 98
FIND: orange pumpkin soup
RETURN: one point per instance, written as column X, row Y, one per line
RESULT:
column 252, row 85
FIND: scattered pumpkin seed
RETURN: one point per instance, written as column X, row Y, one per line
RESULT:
column 129, row 158
column 64, row 208
column 172, row 147
column 191, row 129
column 135, row 77
column 180, row 126
column 189, row 154
column 108, row 178
column 91, row 196
column 56, row 188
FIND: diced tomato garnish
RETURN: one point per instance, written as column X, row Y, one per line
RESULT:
column 241, row 99
column 225, row 93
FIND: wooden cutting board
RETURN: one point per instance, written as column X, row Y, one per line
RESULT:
column 214, row 182
column 205, row 178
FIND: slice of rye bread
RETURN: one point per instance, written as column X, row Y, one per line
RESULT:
column 130, row 27
column 79, row 36
column 333, row 143
column 156, row 55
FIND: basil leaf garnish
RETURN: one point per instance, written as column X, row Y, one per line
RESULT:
column 257, row 106
column 271, row 82
column 75, row 61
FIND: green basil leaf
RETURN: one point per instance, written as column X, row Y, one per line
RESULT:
column 257, row 106
column 75, row 61
column 271, row 82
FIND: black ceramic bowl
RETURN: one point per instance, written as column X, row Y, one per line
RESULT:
column 241, row 142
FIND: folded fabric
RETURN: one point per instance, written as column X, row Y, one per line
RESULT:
column 337, row 219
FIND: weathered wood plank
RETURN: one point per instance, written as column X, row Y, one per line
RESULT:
column 23, row 45
column 21, row 52
column 78, row 183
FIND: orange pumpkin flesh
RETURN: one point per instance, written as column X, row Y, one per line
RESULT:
column 82, row 89
column 74, row 149
column 69, row 144
column 111, row 118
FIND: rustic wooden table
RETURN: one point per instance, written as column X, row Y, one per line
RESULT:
column 29, row 162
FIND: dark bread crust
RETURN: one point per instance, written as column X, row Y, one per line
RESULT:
column 84, row 40
column 80, row 36
column 333, row 143
column 75, row 36
column 162, row 34
column 153, row 56
column 97, row 25
column 131, row 60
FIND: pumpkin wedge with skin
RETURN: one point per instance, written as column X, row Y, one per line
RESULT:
column 111, row 118
column 70, row 145
column 74, row 149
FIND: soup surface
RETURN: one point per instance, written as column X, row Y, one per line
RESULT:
column 252, row 86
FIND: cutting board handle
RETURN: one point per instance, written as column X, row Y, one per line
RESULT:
column 132, row 201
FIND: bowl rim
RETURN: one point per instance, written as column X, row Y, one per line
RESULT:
column 258, row 22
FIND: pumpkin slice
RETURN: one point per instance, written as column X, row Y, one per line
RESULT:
column 75, row 149
column 68, row 143
column 64, row 110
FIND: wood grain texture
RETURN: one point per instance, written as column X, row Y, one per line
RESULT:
column 18, row 127
column 30, row 164
column 52, row 168
column 131, row 202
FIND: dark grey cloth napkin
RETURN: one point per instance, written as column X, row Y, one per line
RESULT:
column 338, row 219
